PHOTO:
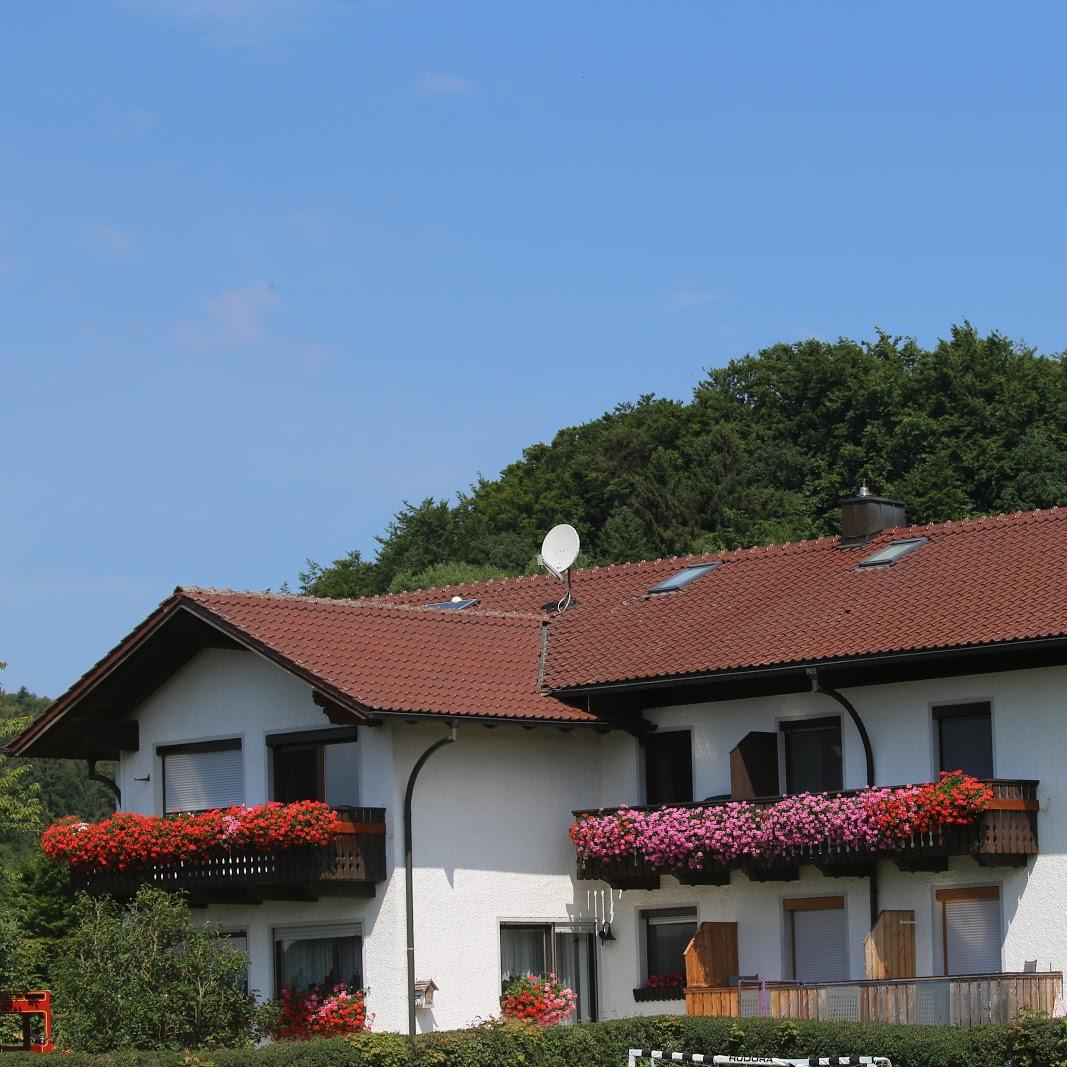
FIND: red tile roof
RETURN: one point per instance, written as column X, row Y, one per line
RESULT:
column 973, row 583
column 400, row 658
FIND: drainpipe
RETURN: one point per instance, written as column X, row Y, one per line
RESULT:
column 408, row 868
column 868, row 754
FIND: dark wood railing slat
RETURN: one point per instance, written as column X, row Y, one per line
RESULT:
column 355, row 857
column 1003, row 835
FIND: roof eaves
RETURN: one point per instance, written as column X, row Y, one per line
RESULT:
column 103, row 667
column 360, row 708
column 862, row 659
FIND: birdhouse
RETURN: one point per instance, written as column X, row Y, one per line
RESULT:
column 424, row 991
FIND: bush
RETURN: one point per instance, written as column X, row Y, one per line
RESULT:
column 145, row 978
column 1032, row 1042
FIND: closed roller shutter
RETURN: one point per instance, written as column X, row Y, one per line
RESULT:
column 820, row 942
column 972, row 936
column 202, row 779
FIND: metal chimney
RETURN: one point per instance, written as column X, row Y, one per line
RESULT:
column 864, row 515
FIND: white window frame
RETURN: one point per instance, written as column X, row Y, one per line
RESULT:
column 643, row 915
column 313, row 932
column 230, row 932
column 165, row 748
column 664, row 729
column 981, row 891
column 275, row 739
column 788, row 936
column 781, row 725
column 935, row 738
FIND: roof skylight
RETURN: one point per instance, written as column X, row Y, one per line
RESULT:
column 457, row 603
column 682, row 578
column 893, row 552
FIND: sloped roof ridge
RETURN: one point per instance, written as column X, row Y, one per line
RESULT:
column 979, row 522
column 363, row 603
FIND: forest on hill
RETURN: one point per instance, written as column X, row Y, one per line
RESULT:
column 761, row 453
column 65, row 788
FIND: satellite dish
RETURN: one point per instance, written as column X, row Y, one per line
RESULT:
column 560, row 550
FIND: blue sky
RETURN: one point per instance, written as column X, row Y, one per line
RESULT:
column 269, row 267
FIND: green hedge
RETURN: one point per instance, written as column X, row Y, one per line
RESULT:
column 1035, row 1042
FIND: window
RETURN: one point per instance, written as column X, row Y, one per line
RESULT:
column 201, row 776
column 812, row 755
column 239, row 940
column 893, row 552
column 817, row 932
column 316, row 765
column 457, row 603
column 567, row 950
column 965, row 738
column 970, row 929
column 683, row 577
column 668, row 767
column 666, row 932
column 320, row 956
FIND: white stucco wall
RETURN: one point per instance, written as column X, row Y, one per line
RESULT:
column 492, row 811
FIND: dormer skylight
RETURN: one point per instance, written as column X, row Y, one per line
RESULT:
column 893, row 552
column 457, row 603
column 680, row 579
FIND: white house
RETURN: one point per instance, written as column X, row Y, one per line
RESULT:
column 879, row 657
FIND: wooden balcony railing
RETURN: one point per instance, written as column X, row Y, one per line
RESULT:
column 350, row 865
column 964, row 1000
column 1005, row 835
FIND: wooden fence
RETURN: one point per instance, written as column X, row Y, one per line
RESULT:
column 965, row 1000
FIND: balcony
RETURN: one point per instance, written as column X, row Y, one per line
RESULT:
column 890, row 993
column 1004, row 834
column 350, row 865
column 961, row 1000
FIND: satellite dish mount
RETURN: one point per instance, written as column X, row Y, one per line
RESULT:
column 558, row 553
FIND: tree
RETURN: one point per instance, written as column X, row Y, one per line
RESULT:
column 144, row 977
column 65, row 788
column 761, row 453
column 21, row 812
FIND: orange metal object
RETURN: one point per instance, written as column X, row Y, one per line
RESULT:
column 28, row 1006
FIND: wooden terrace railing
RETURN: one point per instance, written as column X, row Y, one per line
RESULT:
column 349, row 865
column 964, row 1000
column 1004, row 835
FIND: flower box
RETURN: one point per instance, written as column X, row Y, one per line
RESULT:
column 129, row 841
column 646, row 994
column 826, row 828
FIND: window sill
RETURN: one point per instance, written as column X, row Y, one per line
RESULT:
column 645, row 994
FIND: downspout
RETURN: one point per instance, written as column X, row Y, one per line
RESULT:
column 408, row 869
column 868, row 754
column 103, row 779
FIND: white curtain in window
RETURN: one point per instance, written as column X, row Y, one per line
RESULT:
column 573, row 951
column 196, row 781
column 972, row 936
column 522, row 951
column 820, row 940
column 323, row 956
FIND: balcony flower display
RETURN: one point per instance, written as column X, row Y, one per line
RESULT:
column 545, row 1000
column 303, row 1016
column 128, row 840
column 675, row 980
column 870, row 820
